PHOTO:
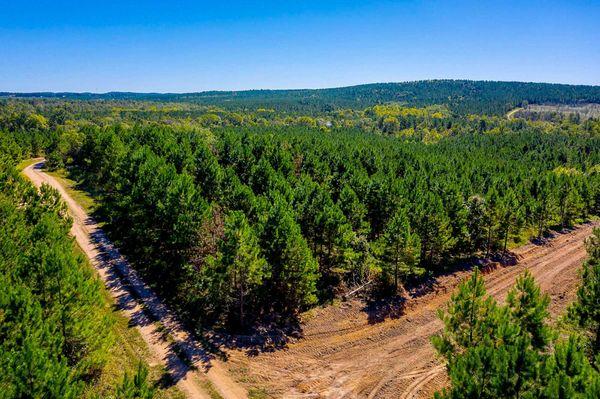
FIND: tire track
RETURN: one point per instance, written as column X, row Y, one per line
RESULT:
column 342, row 355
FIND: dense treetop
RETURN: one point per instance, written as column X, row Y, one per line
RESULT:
column 222, row 211
column 324, row 210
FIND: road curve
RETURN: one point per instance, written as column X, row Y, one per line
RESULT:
column 511, row 114
column 162, row 332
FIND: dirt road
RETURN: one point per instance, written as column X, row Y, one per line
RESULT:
column 165, row 336
column 511, row 114
column 348, row 352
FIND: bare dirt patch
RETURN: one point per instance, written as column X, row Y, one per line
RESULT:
column 551, row 111
column 345, row 353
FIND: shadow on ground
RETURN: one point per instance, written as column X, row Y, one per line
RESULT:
column 268, row 336
column 379, row 310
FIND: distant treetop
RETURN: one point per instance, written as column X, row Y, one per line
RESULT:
column 460, row 96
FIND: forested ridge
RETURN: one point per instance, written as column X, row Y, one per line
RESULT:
column 462, row 96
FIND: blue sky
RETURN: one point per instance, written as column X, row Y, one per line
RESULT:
column 184, row 46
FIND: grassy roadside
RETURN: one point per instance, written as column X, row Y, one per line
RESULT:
column 530, row 233
column 128, row 347
column 127, row 350
column 71, row 186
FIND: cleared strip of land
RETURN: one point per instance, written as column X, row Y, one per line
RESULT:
column 348, row 352
column 195, row 371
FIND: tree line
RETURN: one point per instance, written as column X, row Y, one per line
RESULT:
column 429, row 124
column 461, row 96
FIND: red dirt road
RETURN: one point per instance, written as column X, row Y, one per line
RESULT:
column 342, row 355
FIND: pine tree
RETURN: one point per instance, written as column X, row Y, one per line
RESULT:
column 31, row 364
column 353, row 209
column 487, row 355
column 402, row 247
column 475, row 222
column 529, row 309
column 294, row 269
column 491, row 219
column 510, row 217
column 542, row 196
column 509, row 351
column 433, row 226
column 566, row 373
column 458, row 213
column 466, row 320
column 586, row 309
column 136, row 387
column 241, row 261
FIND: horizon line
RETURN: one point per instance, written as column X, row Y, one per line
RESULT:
column 43, row 92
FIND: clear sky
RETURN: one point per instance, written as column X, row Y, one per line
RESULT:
column 184, row 46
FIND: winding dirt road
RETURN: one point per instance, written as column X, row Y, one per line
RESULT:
column 348, row 353
column 166, row 338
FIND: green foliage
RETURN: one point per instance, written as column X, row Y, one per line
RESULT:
column 462, row 96
column 294, row 269
column 509, row 351
column 567, row 374
column 290, row 200
column 51, row 307
column 586, row 310
column 238, row 269
column 466, row 186
column 328, row 211
column 137, row 387
column 529, row 308
column 402, row 248
column 468, row 320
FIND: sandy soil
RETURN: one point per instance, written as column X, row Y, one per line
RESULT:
column 167, row 340
column 346, row 352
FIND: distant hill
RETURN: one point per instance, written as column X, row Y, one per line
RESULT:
column 461, row 96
